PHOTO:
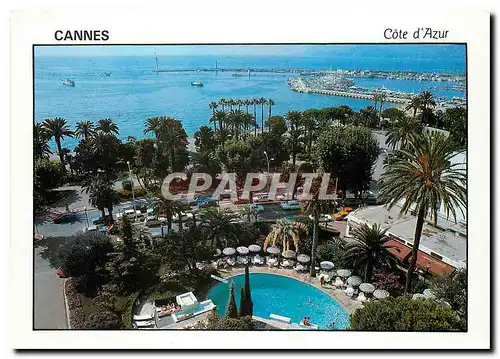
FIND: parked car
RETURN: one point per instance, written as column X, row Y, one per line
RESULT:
column 323, row 218
column 257, row 208
column 207, row 203
column 60, row 273
column 65, row 217
column 92, row 228
column 289, row 205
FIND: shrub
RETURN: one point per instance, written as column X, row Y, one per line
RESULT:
column 216, row 322
column 129, row 310
column 76, row 313
column 102, row 320
column 405, row 314
column 391, row 282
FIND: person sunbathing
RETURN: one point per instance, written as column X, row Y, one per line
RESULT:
column 331, row 325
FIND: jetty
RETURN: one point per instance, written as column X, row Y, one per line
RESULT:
column 394, row 75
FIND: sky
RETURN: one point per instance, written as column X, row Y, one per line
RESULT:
column 255, row 50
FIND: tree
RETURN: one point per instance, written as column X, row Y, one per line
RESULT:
column 241, row 312
column 294, row 136
column 58, row 128
column 404, row 314
column 106, row 126
column 84, row 253
column 414, row 105
column 231, row 310
column 403, row 131
column 107, row 298
column 393, row 114
column 172, row 138
column 348, row 154
column 333, row 251
column 283, row 234
column 424, row 179
column 101, row 193
column 315, row 206
column 368, row 117
column 367, row 250
column 262, row 102
column 153, row 125
column 213, row 106
column 219, row 227
column 426, row 102
column 41, row 148
column 84, row 129
column 102, row 321
column 270, row 104
column 452, row 289
column 248, row 295
column 390, row 281
column 104, row 151
column 455, row 121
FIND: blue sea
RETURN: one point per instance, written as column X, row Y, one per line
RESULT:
column 133, row 92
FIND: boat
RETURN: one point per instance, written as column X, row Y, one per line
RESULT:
column 197, row 83
column 106, row 74
column 68, row 82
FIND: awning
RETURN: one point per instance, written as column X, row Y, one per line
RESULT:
column 424, row 261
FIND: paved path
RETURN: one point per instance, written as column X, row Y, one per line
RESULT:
column 50, row 312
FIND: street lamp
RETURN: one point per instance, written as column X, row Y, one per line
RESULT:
column 267, row 159
column 132, row 184
column 86, row 217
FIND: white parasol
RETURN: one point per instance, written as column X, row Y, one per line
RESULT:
column 366, row 287
column 326, row 265
column 254, row 248
column 343, row 273
column 418, row 296
column 429, row 294
column 303, row 258
column 273, row 250
column 354, row 280
column 380, row 293
column 242, row 250
column 229, row 251
column 289, row 254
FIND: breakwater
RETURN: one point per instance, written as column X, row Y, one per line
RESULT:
column 395, row 75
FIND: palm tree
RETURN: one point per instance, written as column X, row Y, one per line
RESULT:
column 107, row 126
column 173, row 136
column 247, row 103
column 283, row 234
column 58, row 128
column 367, row 249
column 101, row 193
column 213, row 106
column 270, row 103
column 381, row 99
column 426, row 103
column 262, row 102
column 67, row 157
column 249, row 212
column 84, row 129
column 294, row 136
column 414, row 105
column 424, row 179
column 315, row 206
column 254, row 102
column 41, row 148
column 222, row 103
column 152, row 125
column 168, row 208
column 403, row 131
column 219, row 226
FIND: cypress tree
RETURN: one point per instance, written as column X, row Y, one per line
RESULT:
column 243, row 305
column 231, row 310
column 248, row 294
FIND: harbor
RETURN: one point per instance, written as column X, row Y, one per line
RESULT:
column 338, row 85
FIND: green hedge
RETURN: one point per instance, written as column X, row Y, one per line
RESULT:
column 128, row 310
column 126, row 194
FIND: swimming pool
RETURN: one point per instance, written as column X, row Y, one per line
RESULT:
column 284, row 296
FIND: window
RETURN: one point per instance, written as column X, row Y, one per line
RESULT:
column 435, row 255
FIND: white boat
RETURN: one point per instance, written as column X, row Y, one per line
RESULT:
column 197, row 83
column 68, row 82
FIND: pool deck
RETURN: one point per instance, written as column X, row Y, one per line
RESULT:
column 339, row 295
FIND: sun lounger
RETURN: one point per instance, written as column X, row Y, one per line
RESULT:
column 231, row 261
column 299, row 267
column 143, row 317
column 280, row 318
column 338, row 282
column 361, row 297
column 256, row 260
column 349, row 291
column 144, row 323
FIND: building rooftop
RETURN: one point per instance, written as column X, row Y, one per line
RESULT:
column 447, row 239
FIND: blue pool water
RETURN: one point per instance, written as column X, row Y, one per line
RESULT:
column 286, row 297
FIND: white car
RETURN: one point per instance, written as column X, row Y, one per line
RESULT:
column 185, row 216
